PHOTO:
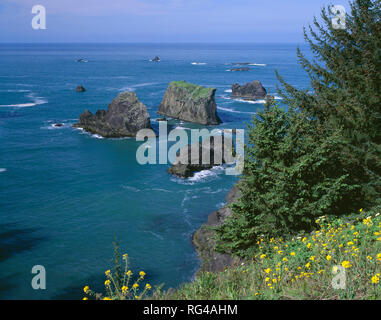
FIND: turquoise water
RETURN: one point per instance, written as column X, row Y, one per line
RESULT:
column 65, row 194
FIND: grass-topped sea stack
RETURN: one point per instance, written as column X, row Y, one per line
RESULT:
column 190, row 102
column 125, row 116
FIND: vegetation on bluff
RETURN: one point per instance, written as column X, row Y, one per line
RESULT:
column 322, row 156
column 302, row 267
column 308, row 171
column 196, row 91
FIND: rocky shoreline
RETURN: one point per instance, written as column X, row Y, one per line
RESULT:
column 203, row 238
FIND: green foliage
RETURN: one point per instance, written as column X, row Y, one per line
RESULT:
column 324, row 154
column 302, row 267
column 345, row 79
column 293, row 174
column 121, row 284
column 196, row 92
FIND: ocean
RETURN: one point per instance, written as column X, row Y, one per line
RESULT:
column 66, row 194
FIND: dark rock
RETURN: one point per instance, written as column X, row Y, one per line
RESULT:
column 156, row 59
column 239, row 69
column 190, row 160
column 80, row 89
column 190, row 102
column 57, row 125
column 250, row 91
column 81, row 60
column 241, row 63
column 203, row 239
column 161, row 119
column 125, row 116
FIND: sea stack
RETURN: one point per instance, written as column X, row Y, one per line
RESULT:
column 190, row 158
column 250, row 91
column 190, row 102
column 80, row 88
column 125, row 116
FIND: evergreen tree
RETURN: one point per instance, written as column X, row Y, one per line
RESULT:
column 345, row 79
column 293, row 174
column 322, row 156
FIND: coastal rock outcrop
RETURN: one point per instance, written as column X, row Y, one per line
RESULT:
column 156, row 59
column 80, row 89
column 239, row 69
column 190, row 102
column 125, row 116
column 250, row 91
column 203, row 239
column 190, row 158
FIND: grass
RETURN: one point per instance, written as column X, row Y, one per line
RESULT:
column 194, row 90
column 301, row 268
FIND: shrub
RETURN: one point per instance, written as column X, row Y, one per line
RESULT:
column 303, row 267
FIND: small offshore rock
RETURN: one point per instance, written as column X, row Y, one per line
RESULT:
column 190, row 159
column 239, row 69
column 250, row 91
column 80, row 89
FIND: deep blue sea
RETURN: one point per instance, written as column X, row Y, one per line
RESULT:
column 65, row 194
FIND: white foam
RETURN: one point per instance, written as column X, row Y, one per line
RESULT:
column 14, row 90
column 83, row 131
column 235, row 111
column 130, row 188
column 3, row 170
column 36, row 101
column 198, row 63
column 133, row 87
column 146, row 84
column 258, row 64
column 129, row 89
column 182, row 128
column 261, row 101
column 205, row 174
column 228, row 91
column 201, row 176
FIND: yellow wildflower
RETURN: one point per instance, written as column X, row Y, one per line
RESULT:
column 375, row 279
column 346, row 264
column 107, row 272
column 142, row 273
column 85, row 289
column 148, row 287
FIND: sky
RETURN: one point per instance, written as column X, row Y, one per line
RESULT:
column 160, row 20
